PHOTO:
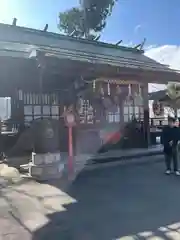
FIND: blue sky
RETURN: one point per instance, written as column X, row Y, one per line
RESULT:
column 132, row 20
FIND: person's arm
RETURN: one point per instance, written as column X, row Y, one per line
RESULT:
column 176, row 136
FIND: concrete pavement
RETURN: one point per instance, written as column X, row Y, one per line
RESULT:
column 126, row 202
column 124, row 154
column 118, row 202
column 83, row 160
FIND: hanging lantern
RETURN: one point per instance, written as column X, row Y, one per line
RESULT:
column 158, row 108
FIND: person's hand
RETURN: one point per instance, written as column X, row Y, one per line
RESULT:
column 171, row 143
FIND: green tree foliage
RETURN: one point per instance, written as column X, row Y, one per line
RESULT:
column 96, row 13
column 71, row 22
column 88, row 20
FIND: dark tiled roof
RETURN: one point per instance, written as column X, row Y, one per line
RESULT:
column 159, row 95
column 24, row 41
column 64, row 37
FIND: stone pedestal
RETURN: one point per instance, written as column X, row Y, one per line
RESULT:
column 45, row 158
column 46, row 166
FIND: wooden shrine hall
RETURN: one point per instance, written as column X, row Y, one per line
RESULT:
column 106, row 86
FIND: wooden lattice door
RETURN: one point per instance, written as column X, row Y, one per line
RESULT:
column 40, row 106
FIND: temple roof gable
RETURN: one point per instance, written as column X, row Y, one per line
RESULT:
column 27, row 42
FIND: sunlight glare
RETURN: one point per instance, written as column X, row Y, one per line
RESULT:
column 7, row 10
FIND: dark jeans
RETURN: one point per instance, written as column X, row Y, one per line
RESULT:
column 173, row 156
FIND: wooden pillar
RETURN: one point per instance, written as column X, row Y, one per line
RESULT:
column 17, row 109
column 67, row 101
column 121, row 104
column 41, row 68
column 146, row 116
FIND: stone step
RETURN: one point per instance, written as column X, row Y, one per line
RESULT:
column 45, row 158
column 46, row 171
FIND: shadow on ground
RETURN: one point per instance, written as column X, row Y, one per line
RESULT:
column 116, row 202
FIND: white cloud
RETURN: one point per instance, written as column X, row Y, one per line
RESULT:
column 168, row 55
column 150, row 47
column 129, row 44
column 137, row 28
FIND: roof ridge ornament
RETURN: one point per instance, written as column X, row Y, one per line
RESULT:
column 45, row 28
column 14, row 23
column 141, row 45
column 118, row 43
